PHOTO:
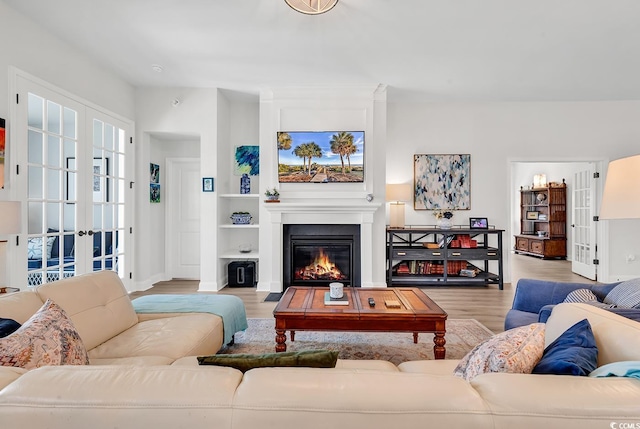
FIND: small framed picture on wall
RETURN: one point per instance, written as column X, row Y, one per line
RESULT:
column 207, row 184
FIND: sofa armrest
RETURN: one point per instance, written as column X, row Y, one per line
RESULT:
column 545, row 312
column 531, row 294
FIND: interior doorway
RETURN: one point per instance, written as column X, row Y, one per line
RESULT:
column 174, row 217
column 584, row 191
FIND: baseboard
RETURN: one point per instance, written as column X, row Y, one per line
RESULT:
column 146, row 284
column 208, row 287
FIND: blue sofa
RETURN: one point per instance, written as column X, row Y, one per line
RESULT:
column 534, row 300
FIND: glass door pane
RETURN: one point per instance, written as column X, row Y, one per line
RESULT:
column 108, row 196
column 51, row 179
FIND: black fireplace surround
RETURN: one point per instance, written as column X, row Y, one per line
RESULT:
column 336, row 245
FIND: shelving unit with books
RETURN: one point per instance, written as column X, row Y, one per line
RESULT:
column 429, row 256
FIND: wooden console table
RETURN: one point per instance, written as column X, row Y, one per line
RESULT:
column 408, row 246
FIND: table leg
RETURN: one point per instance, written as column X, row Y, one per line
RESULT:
column 281, row 338
column 415, row 338
column 438, row 349
column 292, row 334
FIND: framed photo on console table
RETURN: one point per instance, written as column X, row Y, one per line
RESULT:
column 478, row 223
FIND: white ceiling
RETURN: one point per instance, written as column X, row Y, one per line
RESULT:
column 439, row 50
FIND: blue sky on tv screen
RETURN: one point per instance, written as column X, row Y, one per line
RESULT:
column 322, row 139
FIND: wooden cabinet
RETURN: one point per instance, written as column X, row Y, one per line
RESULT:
column 418, row 256
column 543, row 222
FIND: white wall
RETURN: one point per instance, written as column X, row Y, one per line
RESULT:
column 496, row 134
column 32, row 49
column 197, row 116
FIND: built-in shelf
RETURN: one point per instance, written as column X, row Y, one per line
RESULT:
column 234, row 254
column 239, row 195
column 230, row 225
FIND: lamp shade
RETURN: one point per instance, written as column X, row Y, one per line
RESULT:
column 398, row 192
column 10, row 217
column 621, row 197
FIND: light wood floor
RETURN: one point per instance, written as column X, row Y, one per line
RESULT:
column 488, row 305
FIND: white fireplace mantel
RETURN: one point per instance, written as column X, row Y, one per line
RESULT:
column 315, row 212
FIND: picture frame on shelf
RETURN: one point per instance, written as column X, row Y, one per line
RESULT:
column 533, row 215
column 542, row 216
column 207, row 184
column 478, row 223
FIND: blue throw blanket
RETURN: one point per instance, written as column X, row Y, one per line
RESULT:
column 229, row 307
column 618, row 369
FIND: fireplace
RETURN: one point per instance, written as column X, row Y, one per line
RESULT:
column 317, row 254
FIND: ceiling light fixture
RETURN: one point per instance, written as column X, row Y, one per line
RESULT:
column 312, row 7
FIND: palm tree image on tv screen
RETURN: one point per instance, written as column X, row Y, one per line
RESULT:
column 320, row 156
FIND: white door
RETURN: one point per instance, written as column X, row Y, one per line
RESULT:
column 74, row 185
column 183, row 218
column 583, row 225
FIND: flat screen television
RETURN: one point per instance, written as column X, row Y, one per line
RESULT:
column 320, row 156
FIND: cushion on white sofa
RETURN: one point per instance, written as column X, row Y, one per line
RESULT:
column 47, row 338
column 616, row 336
column 98, row 304
column 19, row 306
column 173, row 337
column 517, row 350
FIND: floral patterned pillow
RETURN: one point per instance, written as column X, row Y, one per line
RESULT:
column 47, row 338
column 517, row 350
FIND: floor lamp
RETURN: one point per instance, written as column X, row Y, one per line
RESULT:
column 621, row 197
column 9, row 224
column 397, row 194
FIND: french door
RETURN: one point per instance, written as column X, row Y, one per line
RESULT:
column 76, row 160
column 583, row 224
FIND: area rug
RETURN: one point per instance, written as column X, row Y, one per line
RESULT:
column 462, row 336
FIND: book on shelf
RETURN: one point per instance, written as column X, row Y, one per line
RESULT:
column 335, row 301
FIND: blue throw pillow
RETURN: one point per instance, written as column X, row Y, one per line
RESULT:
column 8, row 326
column 572, row 353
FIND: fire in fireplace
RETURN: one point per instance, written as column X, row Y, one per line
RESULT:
column 316, row 255
column 321, row 268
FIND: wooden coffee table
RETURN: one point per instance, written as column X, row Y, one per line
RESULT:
column 303, row 308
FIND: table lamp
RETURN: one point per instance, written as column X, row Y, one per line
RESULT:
column 621, row 197
column 397, row 194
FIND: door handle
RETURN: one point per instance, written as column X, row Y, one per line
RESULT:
column 90, row 232
column 81, row 233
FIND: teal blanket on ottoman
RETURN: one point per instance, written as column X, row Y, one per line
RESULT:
column 229, row 307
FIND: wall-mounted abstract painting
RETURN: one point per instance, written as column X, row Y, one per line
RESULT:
column 320, row 156
column 442, row 182
column 247, row 160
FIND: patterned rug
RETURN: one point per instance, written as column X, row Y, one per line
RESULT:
column 462, row 336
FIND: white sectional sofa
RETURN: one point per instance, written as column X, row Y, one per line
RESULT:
column 102, row 313
column 355, row 394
